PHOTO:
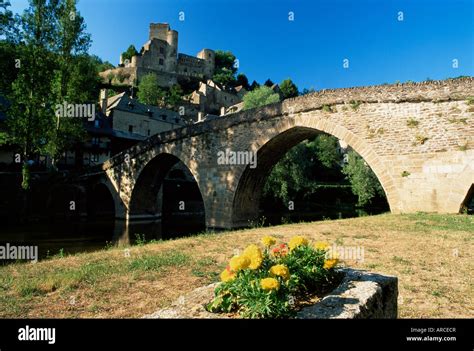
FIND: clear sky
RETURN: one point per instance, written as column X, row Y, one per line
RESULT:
column 312, row 48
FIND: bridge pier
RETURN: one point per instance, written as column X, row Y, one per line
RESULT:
column 418, row 138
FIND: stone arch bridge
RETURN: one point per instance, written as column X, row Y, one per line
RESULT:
column 418, row 138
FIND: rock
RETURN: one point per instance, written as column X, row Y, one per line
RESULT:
column 361, row 294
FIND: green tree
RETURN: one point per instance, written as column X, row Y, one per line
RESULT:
column 327, row 151
column 31, row 117
column 8, row 22
column 224, row 77
column 149, row 92
column 363, row 180
column 254, row 85
column 225, row 68
column 70, row 47
column 101, row 65
column 288, row 89
column 303, row 168
column 242, row 80
column 8, row 66
column 129, row 53
column 53, row 67
column 9, row 31
column 225, row 60
column 259, row 97
column 174, row 96
column 268, row 83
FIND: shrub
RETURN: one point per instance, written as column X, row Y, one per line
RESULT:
column 265, row 283
column 411, row 122
column 261, row 96
column 355, row 104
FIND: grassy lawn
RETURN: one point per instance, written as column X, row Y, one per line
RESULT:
column 432, row 255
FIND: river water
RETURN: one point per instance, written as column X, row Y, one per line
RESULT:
column 69, row 237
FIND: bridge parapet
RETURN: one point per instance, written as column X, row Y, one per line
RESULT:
column 418, row 138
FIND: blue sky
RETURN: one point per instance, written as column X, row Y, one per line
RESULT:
column 312, row 48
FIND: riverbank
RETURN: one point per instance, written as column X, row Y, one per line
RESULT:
column 432, row 255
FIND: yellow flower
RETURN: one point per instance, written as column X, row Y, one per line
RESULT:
column 321, row 245
column 227, row 275
column 297, row 241
column 328, row 264
column 280, row 270
column 239, row 262
column 268, row 241
column 268, row 284
column 254, row 254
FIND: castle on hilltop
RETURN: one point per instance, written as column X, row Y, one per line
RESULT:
column 160, row 55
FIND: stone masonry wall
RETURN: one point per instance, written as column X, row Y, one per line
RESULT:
column 418, row 138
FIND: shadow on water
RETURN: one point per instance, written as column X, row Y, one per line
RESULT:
column 72, row 237
column 69, row 235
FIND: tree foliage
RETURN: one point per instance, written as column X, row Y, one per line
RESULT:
column 225, row 68
column 363, row 180
column 288, row 89
column 268, row 83
column 303, row 168
column 225, row 60
column 313, row 162
column 100, row 64
column 8, row 22
column 242, row 80
column 150, row 93
column 259, row 97
column 52, row 67
column 254, row 85
column 129, row 53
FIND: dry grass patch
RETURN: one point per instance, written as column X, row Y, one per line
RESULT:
column 430, row 254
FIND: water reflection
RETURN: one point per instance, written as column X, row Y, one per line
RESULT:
column 85, row 236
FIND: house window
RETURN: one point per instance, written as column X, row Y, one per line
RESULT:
column 161, row 62
column 162, row 50
column 130, row 128
column 96, row 124
column 148, row 132
column 185, row 70
column 209, row 55
column 163, row 117
column 95, row 141
column 95, row 157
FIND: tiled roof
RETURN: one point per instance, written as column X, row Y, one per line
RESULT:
column 122, row 102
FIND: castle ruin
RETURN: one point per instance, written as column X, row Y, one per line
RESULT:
column 160, row 55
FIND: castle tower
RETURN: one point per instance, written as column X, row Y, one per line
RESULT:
column 210, row 57
column 163, row 32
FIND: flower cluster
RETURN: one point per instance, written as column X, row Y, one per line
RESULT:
column 259, row 282
column 297, row 241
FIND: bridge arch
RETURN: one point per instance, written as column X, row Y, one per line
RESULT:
column 251, row 181
column 145, row 201
column 66, row 201
column 468, row 202
column 101, row 201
